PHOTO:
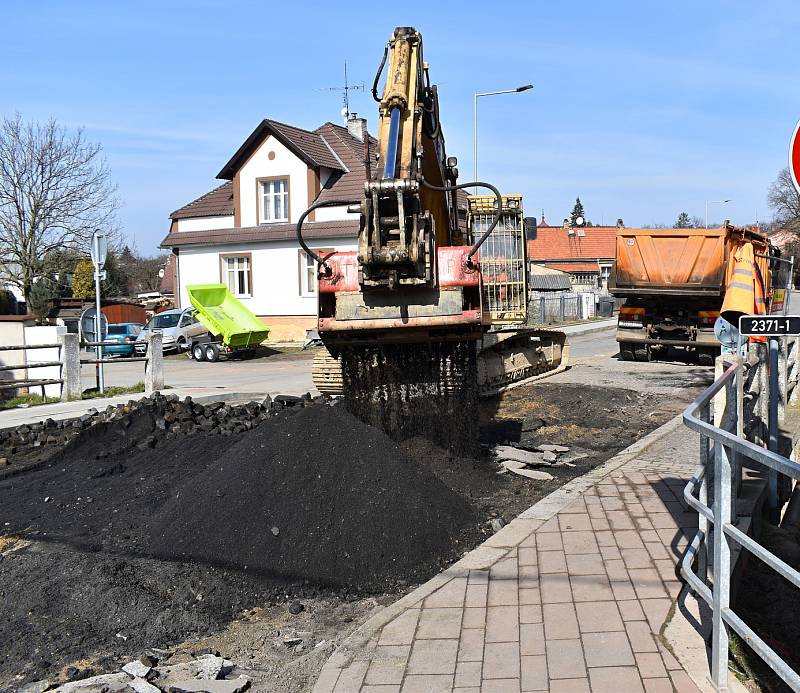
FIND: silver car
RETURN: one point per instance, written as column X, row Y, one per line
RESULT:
column 177, row 327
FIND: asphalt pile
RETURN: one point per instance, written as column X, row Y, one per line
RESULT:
column 306, row 492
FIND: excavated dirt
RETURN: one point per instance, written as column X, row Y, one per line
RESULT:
column 127, row 549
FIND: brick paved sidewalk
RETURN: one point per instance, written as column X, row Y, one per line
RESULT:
column 572, row 603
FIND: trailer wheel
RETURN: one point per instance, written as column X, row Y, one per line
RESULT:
column 626, row 352
column 643, row 353
column 212, row 353
column 198, row 352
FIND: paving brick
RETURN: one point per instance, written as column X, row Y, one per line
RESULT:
column 615, row 680
column 549, row 541
column 591, row 588
column 607, row 649
column 669, row 661
column 650, row 665
column 656, row 550
column 504, row 569
column 600, row 524
column 439, row 623
column 596, row 617
column 476, row 595
column 552, row 562
column 619, row 520
column 502, row 623
column 530, row 613
column 616, row 570
column 635, row 510
column 531, row 639
column 682, row 682
column 666, row 569
column 380, row 689
column 656, row 611
column 595, row 511
column 577, row 506
column 528, row 577
column 351, row 677
column 647, row 583
column 658, row 686
column 628, row 539
column 529, row 541
column 569, row 686
column 427, row 684
column 468, row 674
column 585, row 564
column 502, row 593
column 607, row 490
column 574, row 522
column 610, row 553
column 470, row 648
column 612, row 503
column 560, row 621
column 501, row 660
column 649, row 535
column 474, row 617
column 623, row 589
column 401, row 630
column 565, row 659
column 433, row 657
column 529, row 596
column 630, row 610
column 637, row 558
column 534, row 673
column 467, row 689
column 640, row 636
column 555, row 587
column 500, row 686
column 388, row 665
column 478, row 577
column 527, row 555
column 643, row 524
column 451, row 594
column 550, row 526
column 579, row 542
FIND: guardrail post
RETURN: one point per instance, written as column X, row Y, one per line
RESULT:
column 71, row 388
column 722, row 567
column 154, row 365
column 773, row 395
column 702, row 494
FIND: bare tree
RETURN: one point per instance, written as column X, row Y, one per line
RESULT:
column 55, row 191
column 784, row 201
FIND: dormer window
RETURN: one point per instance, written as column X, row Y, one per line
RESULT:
column 274, row 200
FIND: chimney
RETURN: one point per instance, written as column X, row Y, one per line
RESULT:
column 567, row 224
column 357, row 127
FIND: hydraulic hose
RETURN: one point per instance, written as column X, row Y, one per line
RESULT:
column 378, row 74
column 317, row 205
column 495, row 221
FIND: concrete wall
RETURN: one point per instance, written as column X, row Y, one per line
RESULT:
column 44, row 334
column 12, row 333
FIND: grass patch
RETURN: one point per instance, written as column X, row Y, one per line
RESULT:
column 26, row 400
column 113, row 391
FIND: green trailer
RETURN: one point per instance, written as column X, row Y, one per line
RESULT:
column 232, row 328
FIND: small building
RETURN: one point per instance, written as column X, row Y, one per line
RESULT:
column 584, row 253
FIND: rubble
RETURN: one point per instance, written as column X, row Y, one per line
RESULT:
column 517, row 460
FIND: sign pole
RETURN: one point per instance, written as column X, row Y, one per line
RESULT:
column 98, row 259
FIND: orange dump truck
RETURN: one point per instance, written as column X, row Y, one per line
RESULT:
column 673, row 282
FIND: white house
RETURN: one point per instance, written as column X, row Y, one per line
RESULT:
column 243, row 232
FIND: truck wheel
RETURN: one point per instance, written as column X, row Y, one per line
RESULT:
column 643, row 353
column 706, row 357
column 212, row 353
column 626, row 352
column 198, row 352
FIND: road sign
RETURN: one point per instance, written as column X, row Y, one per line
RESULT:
column 769, row 325
column 99, row 250
column 794, row 156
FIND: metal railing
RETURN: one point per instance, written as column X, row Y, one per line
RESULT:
column 30, row 382
column 723, row 450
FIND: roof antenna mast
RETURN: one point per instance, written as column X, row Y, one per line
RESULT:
column 346, row 89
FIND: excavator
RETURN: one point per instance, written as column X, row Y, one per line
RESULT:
column 427, row 305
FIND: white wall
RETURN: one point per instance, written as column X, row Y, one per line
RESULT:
column 44, row 334
column 333, row 214
column 275, row 273
column 259, row 165
column 204, row 223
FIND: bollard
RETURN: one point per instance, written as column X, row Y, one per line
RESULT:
column 71, row 388
column 154, row 365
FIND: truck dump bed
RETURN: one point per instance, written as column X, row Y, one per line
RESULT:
column 679, row 262
column 225, row 316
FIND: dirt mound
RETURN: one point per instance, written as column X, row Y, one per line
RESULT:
column 318, row 495
column 310, row 494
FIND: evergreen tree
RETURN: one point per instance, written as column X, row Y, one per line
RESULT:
column 83, row 279
column 577, row 211
column 41, row 295
column 683, row 221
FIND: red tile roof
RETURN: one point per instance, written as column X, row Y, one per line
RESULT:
column 217, row 203
column 265, row 232
column 554, row 243
column 574, row 266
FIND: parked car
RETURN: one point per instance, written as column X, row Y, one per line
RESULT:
column 125, row 333
column 177, row 327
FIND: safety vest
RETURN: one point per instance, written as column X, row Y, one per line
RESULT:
column 745, row 293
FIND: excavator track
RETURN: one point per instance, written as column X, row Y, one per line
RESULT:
column 505, row 360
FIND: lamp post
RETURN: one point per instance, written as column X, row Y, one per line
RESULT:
column 714, row 202
column 475, row 121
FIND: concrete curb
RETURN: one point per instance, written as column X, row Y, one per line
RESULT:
column 588, row 328
column 485, row 555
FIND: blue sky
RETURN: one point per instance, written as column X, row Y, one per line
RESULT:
column 643, row 109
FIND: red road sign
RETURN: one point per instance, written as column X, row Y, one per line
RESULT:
column 794, row 156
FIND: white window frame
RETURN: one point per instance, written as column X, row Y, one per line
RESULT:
column 266, row 200
column 308, row 271
column 232, row 265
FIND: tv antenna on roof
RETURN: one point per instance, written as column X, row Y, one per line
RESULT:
column 346, row 89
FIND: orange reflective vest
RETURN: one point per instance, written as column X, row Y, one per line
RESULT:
column 745, row 293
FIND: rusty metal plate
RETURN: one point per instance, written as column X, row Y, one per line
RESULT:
column 426, row 303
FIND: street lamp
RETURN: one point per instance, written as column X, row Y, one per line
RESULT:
column 714, row 202
column 475, row 122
